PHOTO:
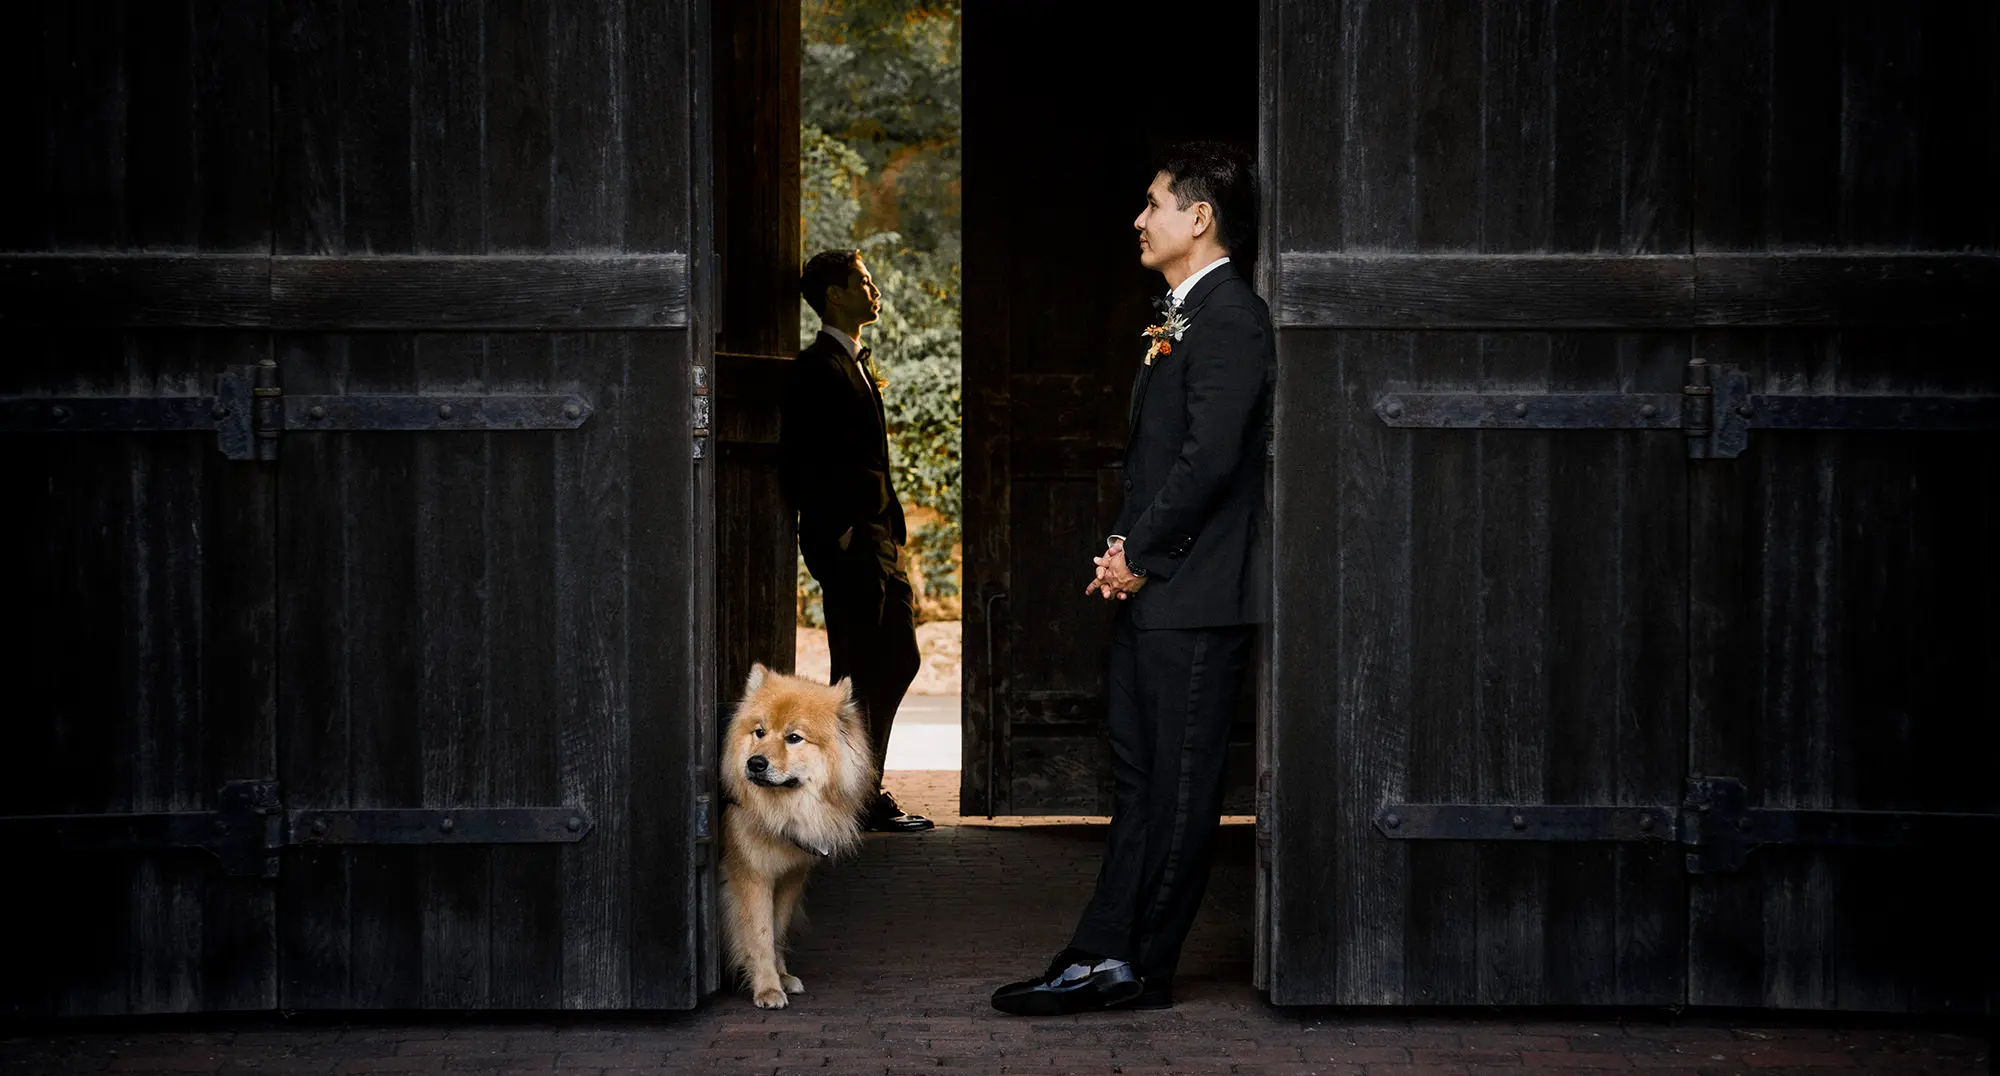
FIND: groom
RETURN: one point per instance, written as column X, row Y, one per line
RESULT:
column 1186, row 564
column 834, row 463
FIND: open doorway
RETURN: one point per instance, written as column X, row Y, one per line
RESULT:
column 988, row 163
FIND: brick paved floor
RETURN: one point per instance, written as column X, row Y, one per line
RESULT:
column 973, row 904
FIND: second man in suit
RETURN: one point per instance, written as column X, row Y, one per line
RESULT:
column 835, row 467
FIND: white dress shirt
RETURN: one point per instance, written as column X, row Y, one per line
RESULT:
column 1181, row 293
column 852, row 345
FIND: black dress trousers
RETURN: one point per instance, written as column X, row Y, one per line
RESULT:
column 1173, row 692
column 871, row 631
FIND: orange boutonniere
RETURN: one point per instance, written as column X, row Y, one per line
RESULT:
column 1163, row 336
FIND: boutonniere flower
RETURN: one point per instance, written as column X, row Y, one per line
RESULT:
column 1165, row 334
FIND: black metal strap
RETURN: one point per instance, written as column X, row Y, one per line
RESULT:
column 1715, row 822
column 1715, row 409
column 249, row 827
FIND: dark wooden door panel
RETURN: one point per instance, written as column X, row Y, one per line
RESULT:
column 1503, row 602
column 1056, row 300
column 142, row 680
column 1845, row 661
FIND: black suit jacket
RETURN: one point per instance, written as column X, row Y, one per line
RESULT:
column 834, row 458
column 1194, row 467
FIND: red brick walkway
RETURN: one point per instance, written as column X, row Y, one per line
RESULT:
column 968, row 906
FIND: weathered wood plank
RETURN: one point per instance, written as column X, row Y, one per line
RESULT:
column 593, row 570
column 1514, row 624
column 233, row 144
column 313, row 688
column 1377, row 190
column 1846, row 289
column 1312, row 118
column 134, row 290
column 524, row 744
column 453, row 670
column 673, row 688
column 493, row 292
column 1309, row 666
column 589, row 126
column 1445, row 529
column 1486, row 291
column 382, row 664
column 239, row 946
column 161, row 212
column 1372, row 558
column 1651, row 733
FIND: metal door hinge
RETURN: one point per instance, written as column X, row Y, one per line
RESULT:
column 249, row 412
column 1714, row 822
column 250, row 826
column 701, row 413
column 1715, row 409
column 1263, row 808
column 704, row 818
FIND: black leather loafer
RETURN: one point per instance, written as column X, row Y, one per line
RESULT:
column 1153, row 994
column 901, row 823
column 1054, row 995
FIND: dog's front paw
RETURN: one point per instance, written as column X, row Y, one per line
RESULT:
column 792, row 984
column 771, row 998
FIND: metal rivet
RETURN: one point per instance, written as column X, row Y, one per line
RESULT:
column 1518, row 822
column 575, row 824
column 319, row 827
column 1645, row 823
column 1521, row 410
column 447, row 825
column 1648, row 411
column 316, row 411
column 60, row 413
column 444, row 410
column 1392, row 821
column 1394, row 410
column 1743, row 823
column 572, row 411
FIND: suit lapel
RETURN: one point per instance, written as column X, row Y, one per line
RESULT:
column 861, row 383
column 1189, row 307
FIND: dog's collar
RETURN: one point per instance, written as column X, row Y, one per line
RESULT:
column 802, row 846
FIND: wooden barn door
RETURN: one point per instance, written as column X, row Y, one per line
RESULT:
column 363, row 446
column 139, row 726
column 1629, row 562
column 1055, row 301
column 494, row 608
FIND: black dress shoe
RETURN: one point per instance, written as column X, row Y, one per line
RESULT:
column 1154, row 993
column 1053, row 995
column 885, row 815
column 900, row 823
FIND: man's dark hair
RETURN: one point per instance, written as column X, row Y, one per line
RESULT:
column 827, row 269
column 1221, row 175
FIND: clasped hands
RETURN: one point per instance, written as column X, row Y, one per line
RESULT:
column 1114, row 576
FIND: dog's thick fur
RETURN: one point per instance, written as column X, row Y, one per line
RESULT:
column 802, row 804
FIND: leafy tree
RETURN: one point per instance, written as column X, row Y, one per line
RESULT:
column 879, row 156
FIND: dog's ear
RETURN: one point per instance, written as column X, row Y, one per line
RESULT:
column 846, row 687
column 757, row 671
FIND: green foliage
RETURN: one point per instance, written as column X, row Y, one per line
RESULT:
column 879, row 156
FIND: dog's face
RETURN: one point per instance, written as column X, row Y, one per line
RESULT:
column 792, row 734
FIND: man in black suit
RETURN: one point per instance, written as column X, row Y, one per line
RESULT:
column 834, row 462
column 1187, row 560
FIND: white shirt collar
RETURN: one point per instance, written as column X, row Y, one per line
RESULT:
column 1181, row 293
column 841, row 338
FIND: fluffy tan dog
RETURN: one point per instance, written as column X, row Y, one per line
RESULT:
column 796, row 771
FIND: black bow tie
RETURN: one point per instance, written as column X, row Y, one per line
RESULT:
column 1164, row 304
column 862, row 356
